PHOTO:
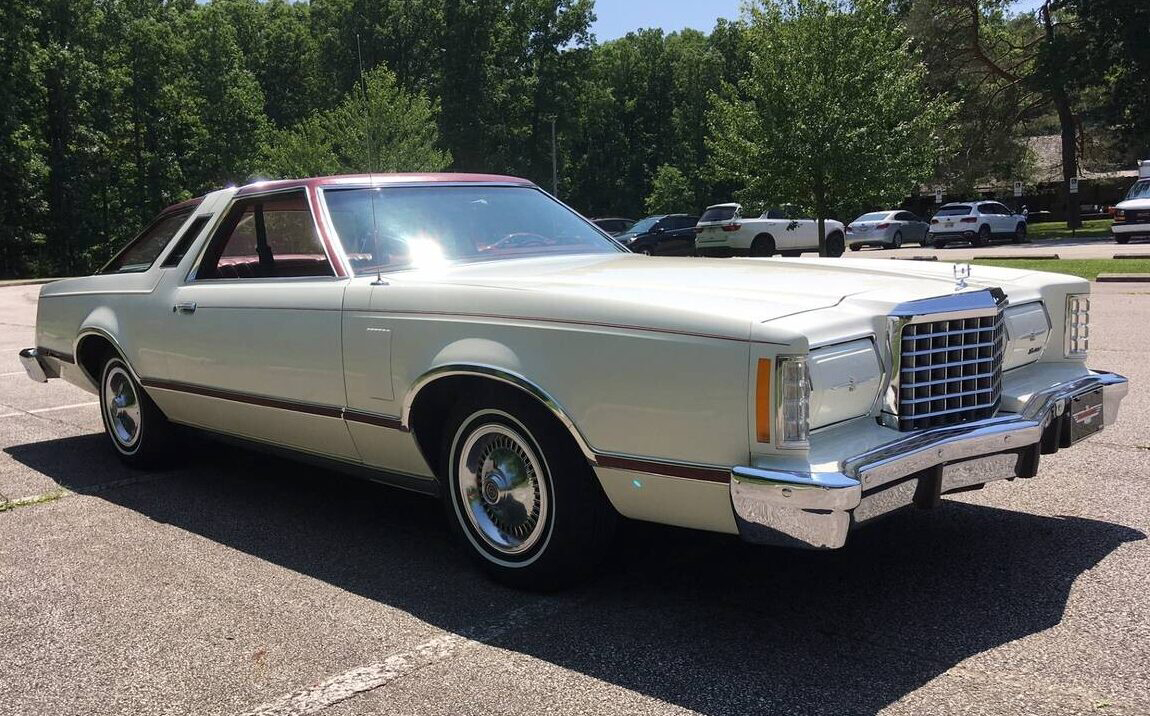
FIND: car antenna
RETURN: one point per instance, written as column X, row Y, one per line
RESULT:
column 370, row 177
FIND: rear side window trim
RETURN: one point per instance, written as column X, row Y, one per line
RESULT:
column 186, row 212
column 184, row 241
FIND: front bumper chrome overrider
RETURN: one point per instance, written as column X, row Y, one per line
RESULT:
column 817, row 509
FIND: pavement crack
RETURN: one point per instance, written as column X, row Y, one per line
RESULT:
column 8, row 505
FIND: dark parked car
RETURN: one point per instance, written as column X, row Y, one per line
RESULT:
column 613, row 225
column 665, row 235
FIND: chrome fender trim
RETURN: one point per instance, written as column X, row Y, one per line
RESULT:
column 504, row 376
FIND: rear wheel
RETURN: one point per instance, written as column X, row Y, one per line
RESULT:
column 140, row 434
column 896, row 242
column 835, row 245
column 1121, row 239
column 1020, row 233
column 983, row 236
column 763, row 245
column 520, row 496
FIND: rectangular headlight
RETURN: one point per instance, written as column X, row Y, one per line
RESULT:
column 794, row 400
column 1077, row 324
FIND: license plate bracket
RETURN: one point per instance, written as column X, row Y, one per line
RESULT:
column 1083, row 415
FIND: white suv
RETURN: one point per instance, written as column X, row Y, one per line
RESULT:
column 976, row 222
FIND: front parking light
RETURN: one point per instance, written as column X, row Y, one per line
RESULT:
column 794, row 391
column 1077, row 324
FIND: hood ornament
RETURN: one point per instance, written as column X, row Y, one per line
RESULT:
column 961, row 273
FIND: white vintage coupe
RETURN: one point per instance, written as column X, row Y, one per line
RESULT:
column 469, row 336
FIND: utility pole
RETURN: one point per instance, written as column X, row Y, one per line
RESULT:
column 554, row 163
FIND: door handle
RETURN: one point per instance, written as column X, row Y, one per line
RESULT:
column 186, row 307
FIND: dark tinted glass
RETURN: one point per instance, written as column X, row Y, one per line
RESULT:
column 185, row 241
column 142, row 252
column 953, row 211
column 721, row 213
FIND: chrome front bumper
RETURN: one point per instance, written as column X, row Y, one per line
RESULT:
column 34, row 365
column 817, row 509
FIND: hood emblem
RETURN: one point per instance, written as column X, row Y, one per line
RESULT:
column 961, row 273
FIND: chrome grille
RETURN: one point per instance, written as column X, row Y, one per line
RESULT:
column 950, row 371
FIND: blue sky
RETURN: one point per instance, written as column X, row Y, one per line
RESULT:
column 618, row 17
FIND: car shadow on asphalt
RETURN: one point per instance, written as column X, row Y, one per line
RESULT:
column 702, row 621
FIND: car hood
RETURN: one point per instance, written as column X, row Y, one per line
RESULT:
column 724, row 298
column 1129, row 204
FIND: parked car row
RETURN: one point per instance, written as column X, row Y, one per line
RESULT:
column 724, row 231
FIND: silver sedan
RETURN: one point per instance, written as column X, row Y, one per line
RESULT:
column 888, row 229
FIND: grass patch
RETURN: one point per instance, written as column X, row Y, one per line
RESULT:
column 6, row 505
column 1086, row 268
column 1059, row 230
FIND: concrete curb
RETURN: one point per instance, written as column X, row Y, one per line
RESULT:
column 1021, row 257
column 27, row 281
column 1132, row 256
column 1123, row 278
column 914, row 258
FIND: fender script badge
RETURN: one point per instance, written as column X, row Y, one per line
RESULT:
column 961, row 273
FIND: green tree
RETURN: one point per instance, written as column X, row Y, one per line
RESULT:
column 385, row 130
column 827, row 119
column 671, row 192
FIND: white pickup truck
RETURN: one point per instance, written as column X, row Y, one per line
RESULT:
column 1132, row 214
column 722, row 231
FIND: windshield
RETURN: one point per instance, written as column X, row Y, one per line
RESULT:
column 719, row 213
column 873, row 216
column 644, row 225
column 402, row 227
column 1140, row 190
column 953, row 211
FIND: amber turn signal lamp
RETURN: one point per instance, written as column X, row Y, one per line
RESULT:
column 763, row 401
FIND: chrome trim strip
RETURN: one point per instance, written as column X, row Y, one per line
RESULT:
column 504, row 376
column 816, row 509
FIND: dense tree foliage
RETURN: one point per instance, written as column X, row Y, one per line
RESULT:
column 827, row 118
column 112, row 109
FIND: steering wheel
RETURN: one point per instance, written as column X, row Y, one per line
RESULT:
column 524, row 238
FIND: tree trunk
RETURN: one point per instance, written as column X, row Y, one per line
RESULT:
column 1069, row 133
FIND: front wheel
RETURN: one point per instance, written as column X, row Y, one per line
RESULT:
column 1121, row 240
column 140, row 434
column 856, row 247
column 520, row 496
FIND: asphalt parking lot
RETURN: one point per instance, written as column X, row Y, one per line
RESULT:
column 244, row 583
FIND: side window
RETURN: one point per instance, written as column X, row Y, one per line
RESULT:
column 176, row 255
column 142, row 252
column 905, row 216
column 266, row 237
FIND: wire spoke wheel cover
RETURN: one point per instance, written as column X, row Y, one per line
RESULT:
column 121, row 406
column 502, row 489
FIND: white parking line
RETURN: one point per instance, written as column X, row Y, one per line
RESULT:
column 355, row 681
column 15, row 372
column 37, row 411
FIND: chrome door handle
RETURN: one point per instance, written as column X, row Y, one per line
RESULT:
column 187, row 307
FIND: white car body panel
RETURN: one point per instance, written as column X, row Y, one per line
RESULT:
column 788, row 234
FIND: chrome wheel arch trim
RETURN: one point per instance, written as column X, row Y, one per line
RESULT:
column 479, row 370
column 87, row 331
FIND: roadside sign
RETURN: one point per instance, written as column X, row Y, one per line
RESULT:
column 938, row 195
column 1018, row 188
column 1073, row 185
